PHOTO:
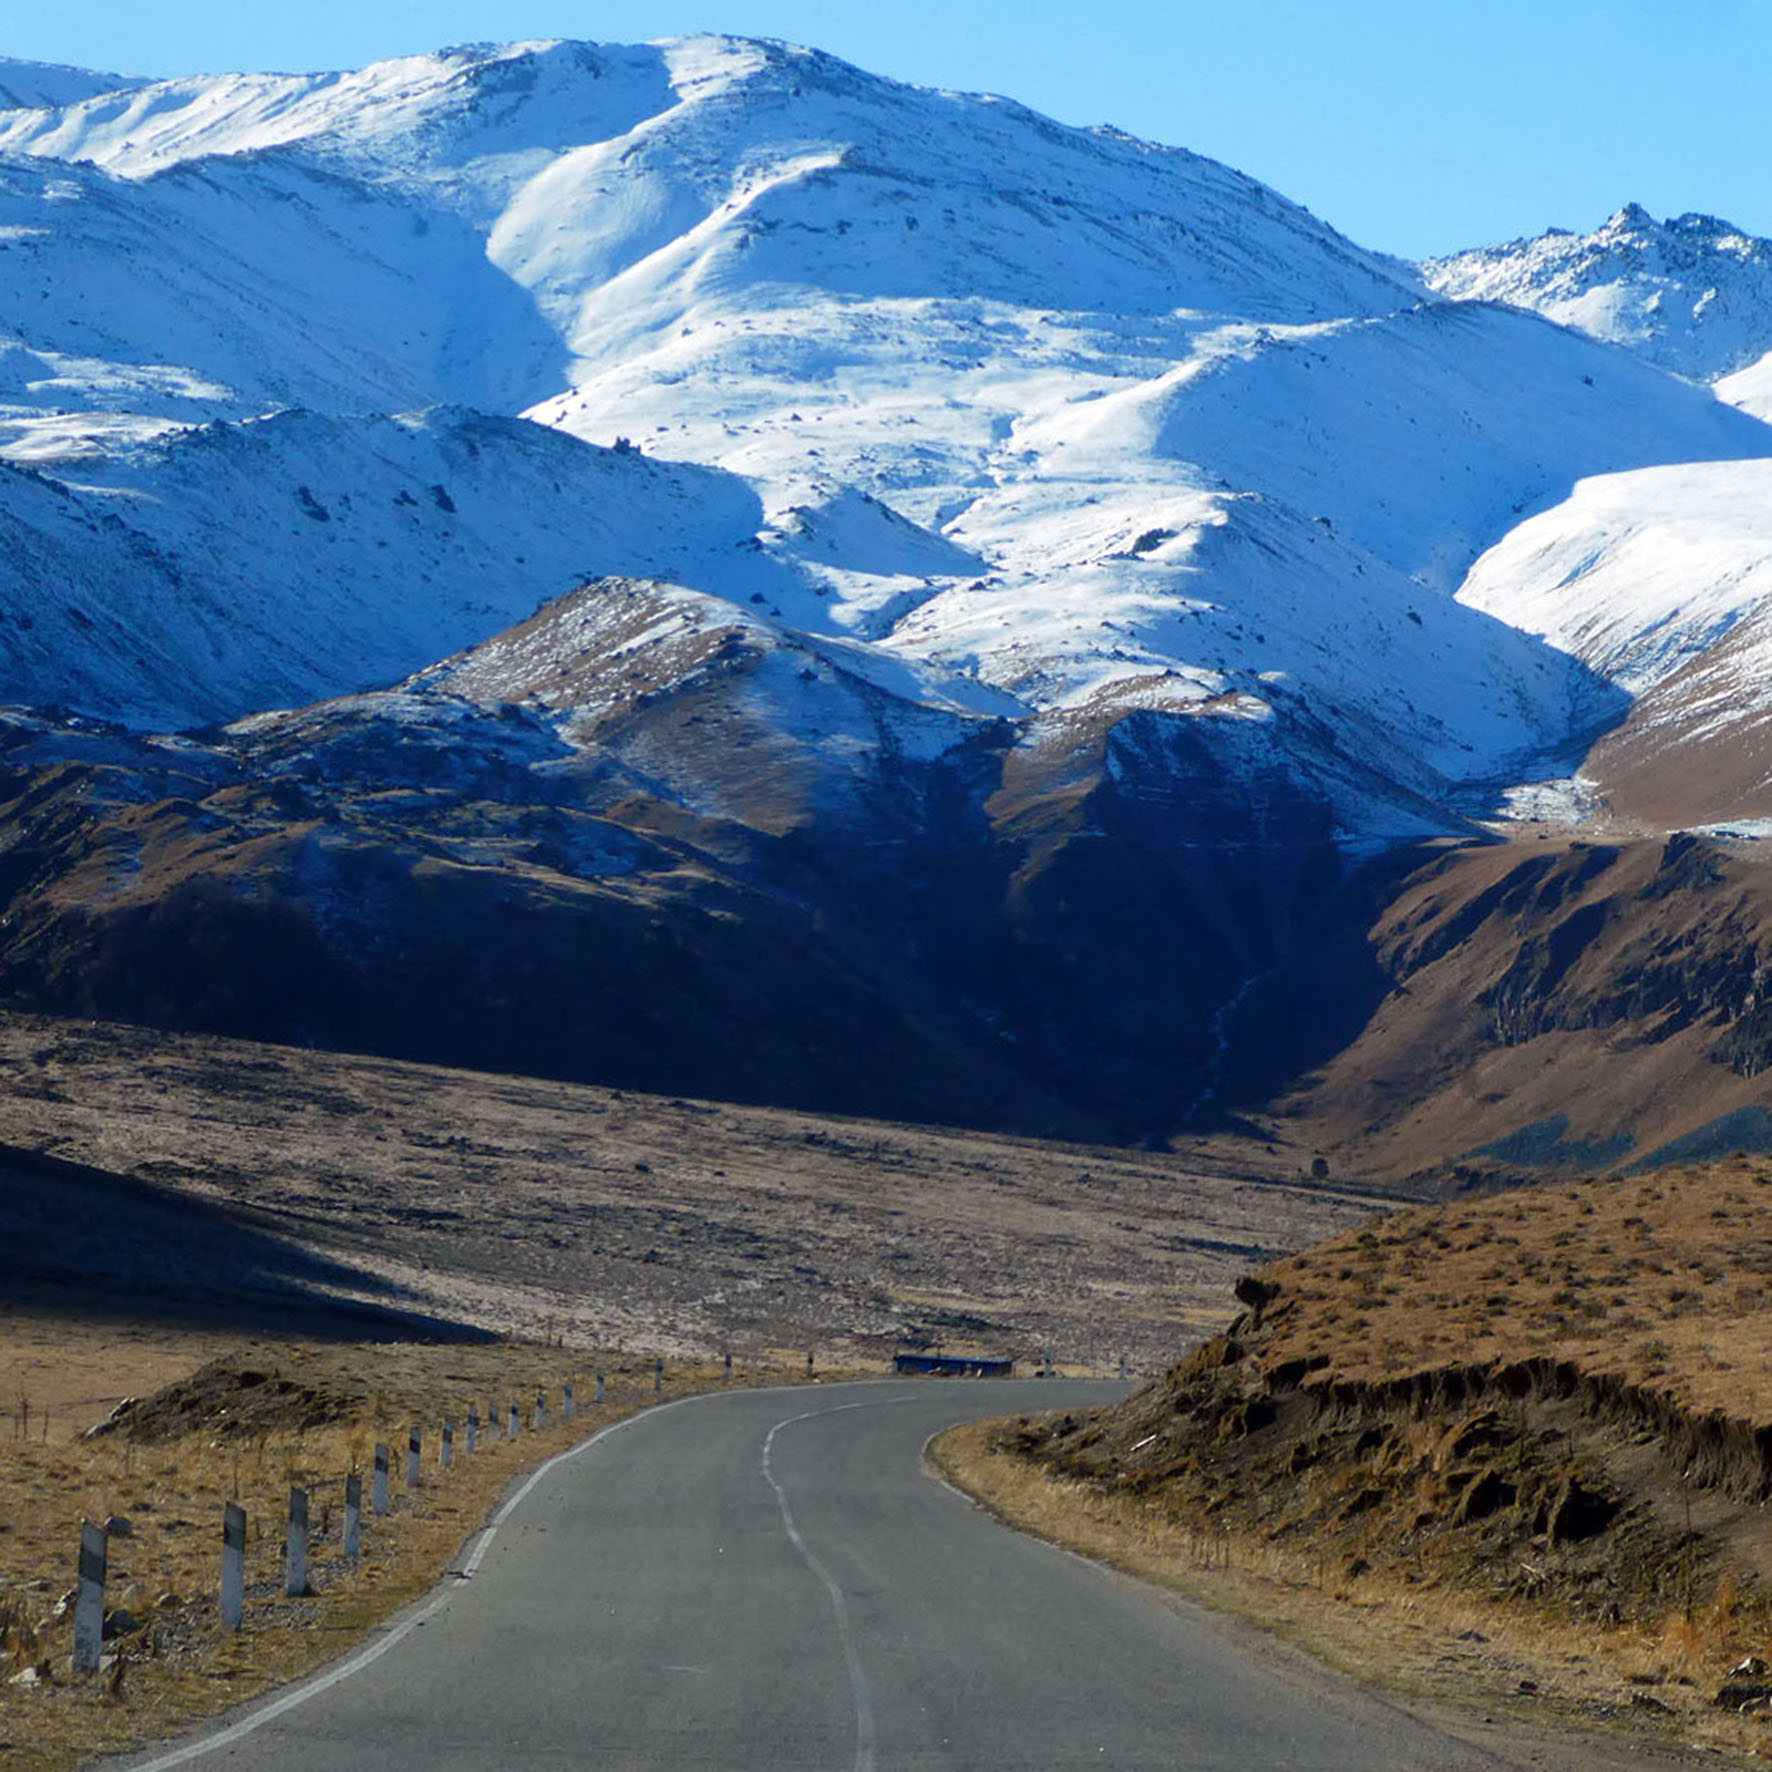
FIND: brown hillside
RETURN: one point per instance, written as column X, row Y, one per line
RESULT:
column 1554, row 1402
column 1551, row 1007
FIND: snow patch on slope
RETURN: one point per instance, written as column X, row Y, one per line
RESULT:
column 1637, row 574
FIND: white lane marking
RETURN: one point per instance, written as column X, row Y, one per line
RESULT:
column 398, row 1633
column 858, row 1680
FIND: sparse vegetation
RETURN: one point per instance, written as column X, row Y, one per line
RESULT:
column 606, row 1216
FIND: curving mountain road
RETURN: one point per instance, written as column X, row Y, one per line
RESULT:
column 767, row 1579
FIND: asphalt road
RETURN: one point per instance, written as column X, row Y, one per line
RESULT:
column 767, row 1579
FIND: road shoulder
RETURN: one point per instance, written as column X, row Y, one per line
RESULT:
column 1473, row 1680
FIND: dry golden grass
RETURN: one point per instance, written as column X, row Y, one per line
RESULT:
column 1494, row 1674
column 181, row 1665
column 60, row 1374
column 1664, row 1280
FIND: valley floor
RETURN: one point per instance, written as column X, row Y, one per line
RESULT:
column 244, row 1181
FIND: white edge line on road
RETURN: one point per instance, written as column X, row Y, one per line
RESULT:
column 400, row 1631
column 858, row 1683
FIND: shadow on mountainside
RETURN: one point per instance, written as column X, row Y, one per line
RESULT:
column 91, row 1242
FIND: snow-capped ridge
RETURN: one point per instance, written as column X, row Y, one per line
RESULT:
column 478, row 123
column 29, row 86
column 975, row 410
column 1693, row 293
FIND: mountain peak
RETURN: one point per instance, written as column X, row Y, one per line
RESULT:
column 1632, row 218
column 1692, row 293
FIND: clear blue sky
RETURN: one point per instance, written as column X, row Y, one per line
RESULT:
column 1415, row 127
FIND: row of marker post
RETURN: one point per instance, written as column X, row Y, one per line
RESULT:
column 89, row 1609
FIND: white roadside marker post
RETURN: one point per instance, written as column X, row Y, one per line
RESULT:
column 516, row 1419
column 726, row 1376
column 378, row 1494
column 233, row 1577
column 89, row 1603
column 473, row 1431
column 568, row 1408
column 600, row 1390
column 414, row 1457
column 295, row 1552
column 446, row 1449
column 658, row 1378
column 354, row 1515
column 541, row 1410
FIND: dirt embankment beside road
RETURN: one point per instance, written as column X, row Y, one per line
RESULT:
column 1512, row 1451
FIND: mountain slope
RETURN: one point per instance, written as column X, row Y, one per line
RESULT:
column 1552, row 1007
column 890, row 601
column 231, row 567
column 1108, row 427
column 1638, row 573
column 1750, row 388
column 1660, row 581
column 226, row 291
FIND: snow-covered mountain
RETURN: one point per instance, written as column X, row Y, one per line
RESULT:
column 1654, row 579
column 1100, row 426
column 674, row 487
column 1692, row 293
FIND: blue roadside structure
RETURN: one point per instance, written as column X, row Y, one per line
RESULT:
column 954, row 1365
